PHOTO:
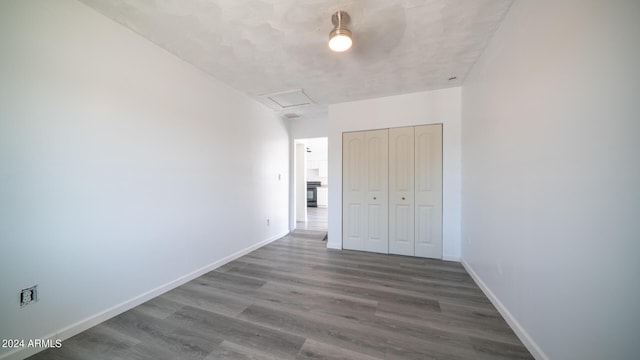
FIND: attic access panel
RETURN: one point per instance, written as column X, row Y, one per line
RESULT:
column 288, row 99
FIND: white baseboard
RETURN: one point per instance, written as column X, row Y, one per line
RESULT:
column 118, row 309
column 338, row 246
column 451, row 258
column 522, row 334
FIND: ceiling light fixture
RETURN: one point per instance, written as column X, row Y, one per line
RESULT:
column 340, row 37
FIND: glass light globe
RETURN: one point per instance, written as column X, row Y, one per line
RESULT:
column 340, row 42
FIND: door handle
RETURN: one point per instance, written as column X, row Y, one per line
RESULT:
column 374, row 198
column 403, row 198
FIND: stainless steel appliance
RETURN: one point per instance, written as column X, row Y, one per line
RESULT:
column 312, row 193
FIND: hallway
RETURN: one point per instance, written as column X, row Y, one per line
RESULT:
column 317, row 219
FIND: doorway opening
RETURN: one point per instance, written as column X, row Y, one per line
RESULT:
column 311, row 184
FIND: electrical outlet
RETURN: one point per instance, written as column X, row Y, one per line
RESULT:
column 28, row 295
column 268, row 222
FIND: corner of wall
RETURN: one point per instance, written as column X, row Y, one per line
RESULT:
column 522, row 334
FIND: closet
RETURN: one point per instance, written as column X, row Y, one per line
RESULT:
column 392, row 191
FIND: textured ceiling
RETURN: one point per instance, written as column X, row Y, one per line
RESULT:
column 268, row 46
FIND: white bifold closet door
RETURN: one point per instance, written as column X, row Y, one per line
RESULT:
column 401, row 194
column 392, row 191
column 428, row 191
column 365, row 191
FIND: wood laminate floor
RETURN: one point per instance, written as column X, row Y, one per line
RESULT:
column 317, row 219
column 294, row 299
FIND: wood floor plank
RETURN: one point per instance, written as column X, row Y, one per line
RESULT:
column 353, row 286
column 438, row 321
column 317, row 220
column 315, row 350
column 295, row 299
column 99, row 342
column 490, row 350
column 160, row 307
column 207, row 298
column 251, row 335
column 347, row 332
column 398, row 277
column 231, row 351
column 317, row 328
column 163, row 339
column 233, row 280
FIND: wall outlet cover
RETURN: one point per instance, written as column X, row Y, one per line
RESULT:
column 28, row 295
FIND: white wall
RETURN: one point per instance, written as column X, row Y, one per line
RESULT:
column 122, row 168
column 551, row 176
column 442, row 106
column 314, row 127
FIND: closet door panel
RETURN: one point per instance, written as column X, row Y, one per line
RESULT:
column 401, row 191
column 377, row 193
column 428, row 191
column 354, row 217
